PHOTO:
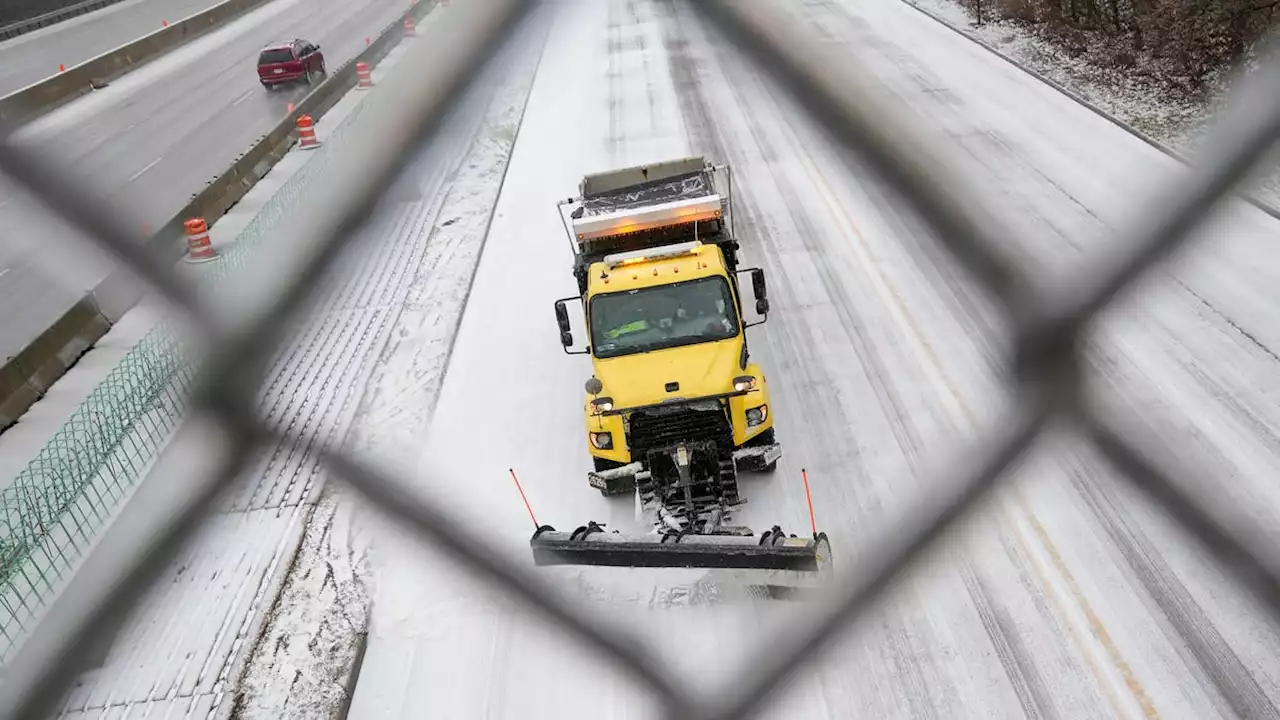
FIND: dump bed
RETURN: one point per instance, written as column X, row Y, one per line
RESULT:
column 646, row 206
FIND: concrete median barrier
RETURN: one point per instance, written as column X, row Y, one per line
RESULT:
column 39, row 98
column 26, row 377
column 30, row 374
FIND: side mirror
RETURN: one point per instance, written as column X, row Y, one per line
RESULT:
column 759, row 290
column 562, row 317
column 594, row 386
column 757, row 285
column 562, row 322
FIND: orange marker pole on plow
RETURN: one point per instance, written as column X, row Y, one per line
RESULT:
column 525, row 499
column 809, row 499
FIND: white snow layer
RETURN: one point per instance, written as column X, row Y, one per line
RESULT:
column 1065, row 598
column 303, row 662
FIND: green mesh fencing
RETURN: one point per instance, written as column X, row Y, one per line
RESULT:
column 56, row 506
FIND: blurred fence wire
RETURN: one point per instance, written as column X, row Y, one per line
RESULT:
column 1049, row 321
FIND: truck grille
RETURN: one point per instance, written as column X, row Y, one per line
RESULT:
column 660, row 427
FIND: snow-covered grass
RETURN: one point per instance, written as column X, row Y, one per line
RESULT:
column 1152, row 103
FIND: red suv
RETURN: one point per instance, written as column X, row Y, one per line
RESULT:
column 289, row 62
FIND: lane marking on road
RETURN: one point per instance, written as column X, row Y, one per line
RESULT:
column 1099, row 630
column 138, row 174
column 934, row 370
column 244, row 97
column 1076, row 624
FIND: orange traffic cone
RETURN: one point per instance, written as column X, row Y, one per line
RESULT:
column 364, row 76
column 409, row 29
column 306, row 133
column 199, row 249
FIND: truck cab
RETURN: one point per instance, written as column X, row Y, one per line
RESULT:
column 662, row 305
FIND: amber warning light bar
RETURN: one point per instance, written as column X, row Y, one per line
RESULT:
column 665, row 252
column 677, row 212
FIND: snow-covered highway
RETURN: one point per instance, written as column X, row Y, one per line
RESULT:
column 1066, row 600
column 435, row 346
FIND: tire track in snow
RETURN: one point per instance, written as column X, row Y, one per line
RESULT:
column 1211, row 654
column 786, row 341
column 909, row 672
column 1191, row 624
column 1019, row 663
column 1094, row 639
column 903, row 653
column 1211, row 650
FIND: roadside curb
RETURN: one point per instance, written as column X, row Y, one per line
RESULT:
column 353, row 675
column 1253, row 200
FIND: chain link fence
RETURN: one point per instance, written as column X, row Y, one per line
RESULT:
column 221, row 431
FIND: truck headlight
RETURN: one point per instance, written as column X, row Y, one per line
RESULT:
column 602, row 405
column 757, row 415
column 602, row 440
column 743, row 383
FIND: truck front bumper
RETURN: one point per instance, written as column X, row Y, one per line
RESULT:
column 621, row 480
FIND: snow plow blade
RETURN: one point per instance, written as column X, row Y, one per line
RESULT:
column 593, row 545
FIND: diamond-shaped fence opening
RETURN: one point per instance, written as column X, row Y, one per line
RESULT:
column 1049, row 319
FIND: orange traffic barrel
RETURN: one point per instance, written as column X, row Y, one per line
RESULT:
column 364, row 76
column 199, row 249
column 306, row 133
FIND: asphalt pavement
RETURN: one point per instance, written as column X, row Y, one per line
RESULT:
column 1064, row 597
column 35, row 56
column 154, row 138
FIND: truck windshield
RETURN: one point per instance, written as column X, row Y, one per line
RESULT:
column 660, row 317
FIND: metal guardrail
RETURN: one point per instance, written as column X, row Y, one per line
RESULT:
column 1049, row 319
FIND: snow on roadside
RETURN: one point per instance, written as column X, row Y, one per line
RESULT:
column 1150, row 106
column 315, row 632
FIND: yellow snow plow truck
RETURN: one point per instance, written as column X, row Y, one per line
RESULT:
column 675, row 409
